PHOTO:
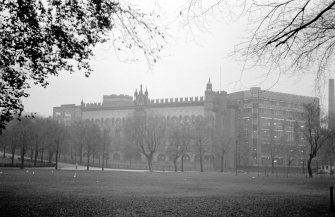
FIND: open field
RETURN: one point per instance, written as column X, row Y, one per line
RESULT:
column 110, row 193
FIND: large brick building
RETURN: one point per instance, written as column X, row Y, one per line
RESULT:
column 260, row 122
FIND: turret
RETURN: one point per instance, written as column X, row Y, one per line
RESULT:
column 209, row 85
column 140, row 98
column 146, row 92
column 209, row 99
column 141, row 92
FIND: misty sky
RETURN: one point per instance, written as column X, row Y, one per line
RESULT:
column 188, row 60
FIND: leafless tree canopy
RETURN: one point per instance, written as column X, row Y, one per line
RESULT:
column 292, row 37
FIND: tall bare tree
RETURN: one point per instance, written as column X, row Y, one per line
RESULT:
column 186, row 138
column 314, row 131
column 222, row 145
column 106, row 141
column 202, row 137
column 24, row 134
column 77, row 132
column 147, row 133
column 59, row 137
column 175, row 149
column 91, row 139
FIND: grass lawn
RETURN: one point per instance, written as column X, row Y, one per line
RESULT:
column 96, row 193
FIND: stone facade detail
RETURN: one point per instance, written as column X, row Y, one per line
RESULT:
column 245, row 116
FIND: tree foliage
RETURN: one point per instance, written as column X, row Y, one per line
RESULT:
column 39, row 39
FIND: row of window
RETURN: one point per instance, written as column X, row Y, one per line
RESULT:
column 283, row 161
column 273, row 103
column 273, row 112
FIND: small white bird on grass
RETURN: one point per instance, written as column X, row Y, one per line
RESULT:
column 75, row 175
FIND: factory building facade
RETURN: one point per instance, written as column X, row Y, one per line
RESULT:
column 260, row 124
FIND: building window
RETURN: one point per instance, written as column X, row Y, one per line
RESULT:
column 289, row 136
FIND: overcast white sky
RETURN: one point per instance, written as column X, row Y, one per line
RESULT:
column 188, row 60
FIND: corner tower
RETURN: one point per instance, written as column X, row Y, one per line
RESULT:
column 209, row 99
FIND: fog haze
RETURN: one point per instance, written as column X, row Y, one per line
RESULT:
column 189, row 59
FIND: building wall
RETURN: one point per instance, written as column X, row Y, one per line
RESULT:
column 67, row 113
column 267, row 120
column 255, row 120
column 178, row 111
column 105, row 114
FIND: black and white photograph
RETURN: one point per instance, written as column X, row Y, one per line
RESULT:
column 130, row 108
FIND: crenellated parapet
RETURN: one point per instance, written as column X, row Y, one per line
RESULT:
column 181, row 100
column 92, row 105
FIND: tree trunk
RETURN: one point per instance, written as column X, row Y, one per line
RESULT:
column 13, row 153
column 93, row 159
column 42, row 152
column 149, row 159
column 56, row 167
column 31, row 153
column 50, row 156
column 221, row 163
column 175, row 164
column 182, row 163
column 88, row 161
column 23, row 152
column 103, row 162
column 201, row 166
column 272, row 165
column 36, row 155
column 288, row 168
column 4, row 151
column 81, row 155
column 309, row 166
